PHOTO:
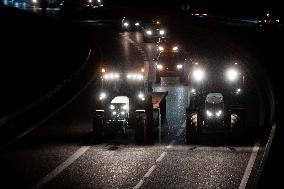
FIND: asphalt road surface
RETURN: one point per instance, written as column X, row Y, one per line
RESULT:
column 60, row 154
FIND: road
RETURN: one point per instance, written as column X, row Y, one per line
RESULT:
column 59, row 153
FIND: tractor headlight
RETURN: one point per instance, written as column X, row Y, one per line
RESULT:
column 162, row 32
column 135, row 76
column 219, row 113
column 209, row 113
column 175, row 48
column 232, row 74
column 102, row 96
column 111, row 76
column 126, row 24
column 198, row 74
column 179, row 66
column 112, row 107
column 161, row 48
column 238, row 91
column 141, row 96
column 124, row 107
column 149, row 32
column 159, row 67
column 137, row 24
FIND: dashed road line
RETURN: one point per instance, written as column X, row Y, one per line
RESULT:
column 140, row 183
column 150, row 171
column 161, row 157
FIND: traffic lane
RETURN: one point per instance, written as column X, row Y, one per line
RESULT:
column 150, row 49
column 33, row 156
column 119, row 53
column 190, row 166
column 103, row 167
column 53, row 142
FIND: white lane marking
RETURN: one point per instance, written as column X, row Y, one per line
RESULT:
column 161, row 157
column 140, row 183
column 150, row 171
column 265, row 154
column 249, row 166
column 50, row 176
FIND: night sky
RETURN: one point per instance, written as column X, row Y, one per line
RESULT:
column 228, row 7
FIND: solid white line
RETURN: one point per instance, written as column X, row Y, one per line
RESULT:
column 150, row 171
column 249, row 166
column 50, row 176
column 161, row 157
column 265, row 154
column 140, row 183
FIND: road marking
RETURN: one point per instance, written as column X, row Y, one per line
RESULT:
column 140, row 183
column 150, row 171
column 161, row 157
column 50, row 176
column 249, row 165
column 265, row 154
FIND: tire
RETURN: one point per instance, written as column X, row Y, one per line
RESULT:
column 98, row 127
column 191, row 130
column 140, row 127
column 158, row 79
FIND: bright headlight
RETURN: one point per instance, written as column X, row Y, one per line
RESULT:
column 162, row 32
column 209, row 114
column 198, row 74
column 161, row 48
column 114, row 113
column 112, row 107
column 135, row 76
column 179, row 66
column 160, row 67
column 141, row 96
column 238, row 90
column 124, row 107
column 218, row 114
column 232, row 74
column 102, row 96
column 126, row 24
column 111, row 76
column 122, row 113
column 149, row 32
column 137, row 24
column 175, row 48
